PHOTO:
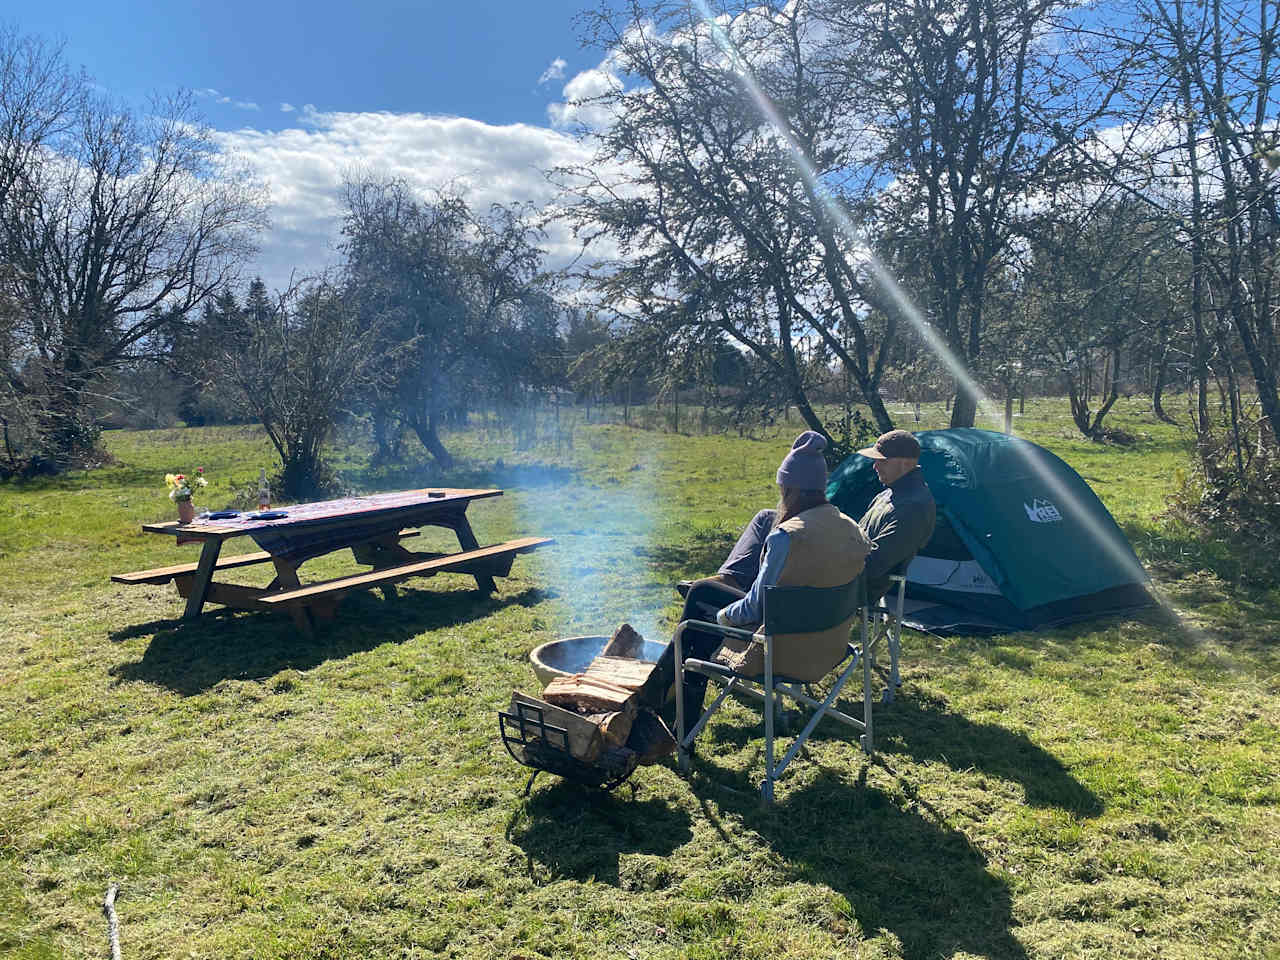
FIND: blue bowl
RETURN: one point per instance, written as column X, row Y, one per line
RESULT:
column 570, row 655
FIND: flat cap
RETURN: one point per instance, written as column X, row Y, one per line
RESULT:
column 895, row 443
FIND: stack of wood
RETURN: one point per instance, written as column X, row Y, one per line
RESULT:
column 600, row 710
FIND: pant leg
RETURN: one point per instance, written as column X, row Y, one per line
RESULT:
column 703, row 596
column 743, row 562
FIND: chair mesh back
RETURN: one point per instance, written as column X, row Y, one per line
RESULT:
column 811, row 609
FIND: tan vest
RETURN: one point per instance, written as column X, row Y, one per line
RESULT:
column 827, row 549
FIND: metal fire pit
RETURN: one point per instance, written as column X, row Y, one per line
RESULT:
column 535, row 743
column 570, row 655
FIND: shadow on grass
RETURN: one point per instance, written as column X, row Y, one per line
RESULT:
column 191, row 657
column 580, row 835
column 929, row 732
column 900, row 870
column 924, row 731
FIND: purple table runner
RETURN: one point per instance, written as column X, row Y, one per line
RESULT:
column 312, row 529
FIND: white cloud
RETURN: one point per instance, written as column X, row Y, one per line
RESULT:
column 217, row 96
column 553, row 72
column 303, row 168
column 287, row 108
column 579, row 107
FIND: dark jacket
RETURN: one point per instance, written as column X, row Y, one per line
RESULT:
column 898, row 523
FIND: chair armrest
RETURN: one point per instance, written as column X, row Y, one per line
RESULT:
column 726, row 631
column 710, row 668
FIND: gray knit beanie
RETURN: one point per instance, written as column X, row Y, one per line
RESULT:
column 805, row 467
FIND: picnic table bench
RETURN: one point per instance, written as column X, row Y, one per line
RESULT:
column 371, row 527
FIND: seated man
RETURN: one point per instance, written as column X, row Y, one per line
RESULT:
column 811, row 544
column 900, row 520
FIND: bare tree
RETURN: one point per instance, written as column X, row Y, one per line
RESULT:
column 1202, row 149
column 39, row 98
column 746, row 168
column 974, row 103
column 458, row 302
column 110, row 221
column 721, row 218
column 1095, row 274
column 296, row 369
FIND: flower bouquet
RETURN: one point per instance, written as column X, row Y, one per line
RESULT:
column 180, row 485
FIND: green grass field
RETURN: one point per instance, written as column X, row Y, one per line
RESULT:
column 1105, row 790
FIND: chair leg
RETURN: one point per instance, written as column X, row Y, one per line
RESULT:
column 893, row 633
column 766, row 788
column 682, row 754
column 892, row 628
column 868, row 740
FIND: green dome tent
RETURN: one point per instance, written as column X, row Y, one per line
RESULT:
column 1021, row 543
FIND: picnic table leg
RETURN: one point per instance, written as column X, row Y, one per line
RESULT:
column 383, row 552
column 204, row 574
column 287, row 579
column 467, row 540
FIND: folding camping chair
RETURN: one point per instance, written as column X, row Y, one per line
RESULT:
column 786, row 610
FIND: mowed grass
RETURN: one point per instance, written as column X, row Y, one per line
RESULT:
column 1104, row 790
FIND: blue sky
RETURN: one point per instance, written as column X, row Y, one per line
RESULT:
column 479, row 59
column 305, row 92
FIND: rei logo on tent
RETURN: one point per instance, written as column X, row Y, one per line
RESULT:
column 1042, row 511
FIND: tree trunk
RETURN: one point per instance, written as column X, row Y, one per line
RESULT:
column 1197, row 250
column 965, row 408
column 1233, row 402
column 385, row 435
column 1079, row 411
column 1108, row 400
column 426, row 431
column 1157, row 389
column 66, row 424
column 8, row 449
column 1201, row 368
column 1264, row 373
column 1008, row 411
column 879, row 413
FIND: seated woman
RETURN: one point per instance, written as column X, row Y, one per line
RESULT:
column 811, row 544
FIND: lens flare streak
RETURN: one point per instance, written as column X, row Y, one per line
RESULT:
column 900, row 299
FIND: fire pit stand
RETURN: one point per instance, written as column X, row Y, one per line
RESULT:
column 535, row 743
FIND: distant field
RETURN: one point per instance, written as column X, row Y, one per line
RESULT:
column 1106, row 790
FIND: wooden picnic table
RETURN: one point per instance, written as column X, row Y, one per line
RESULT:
column 371, row 527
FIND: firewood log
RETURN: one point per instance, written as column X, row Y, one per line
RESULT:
column 624, row 643
column 585, row 739
column 620, row 671
column 614, row 727
column 588, row 694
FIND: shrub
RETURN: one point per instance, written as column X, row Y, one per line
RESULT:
column 1232, row 496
